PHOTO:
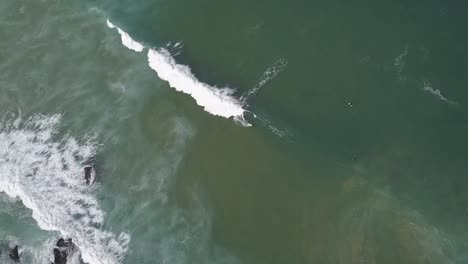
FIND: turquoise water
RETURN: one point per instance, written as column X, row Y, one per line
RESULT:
column 356, row 151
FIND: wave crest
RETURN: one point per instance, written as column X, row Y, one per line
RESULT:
column 216, row 101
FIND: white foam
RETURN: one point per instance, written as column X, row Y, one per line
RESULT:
column 400, row 62
column 216, row 101
column 436, row 92
column 47, row 176
column 127, row 41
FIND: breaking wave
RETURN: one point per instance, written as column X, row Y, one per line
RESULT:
column 127, row 41
column 216, row 101
column 46, row 174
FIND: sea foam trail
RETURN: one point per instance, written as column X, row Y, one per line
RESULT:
column 216, row 101
column 47, row 176
column 268, row 75
column 436, row 92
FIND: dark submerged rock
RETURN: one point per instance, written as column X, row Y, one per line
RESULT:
column 60, row 257
column 60, row 243
column 88, row 173
column 63, row 249
column 71, row 247
column 14, row 254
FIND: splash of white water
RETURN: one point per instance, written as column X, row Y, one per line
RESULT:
column 46, row 174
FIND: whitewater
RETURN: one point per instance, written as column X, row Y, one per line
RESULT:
column 214, row 100
column 46, row 174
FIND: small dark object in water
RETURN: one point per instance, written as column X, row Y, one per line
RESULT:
column 89, row 175
column 60, row 257
column 14, row 254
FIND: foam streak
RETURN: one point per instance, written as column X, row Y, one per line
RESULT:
column 436, row 92
column 268, row 75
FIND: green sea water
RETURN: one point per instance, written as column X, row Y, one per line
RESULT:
column 357, row 151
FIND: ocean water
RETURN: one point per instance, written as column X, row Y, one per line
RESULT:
column 235, row 132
